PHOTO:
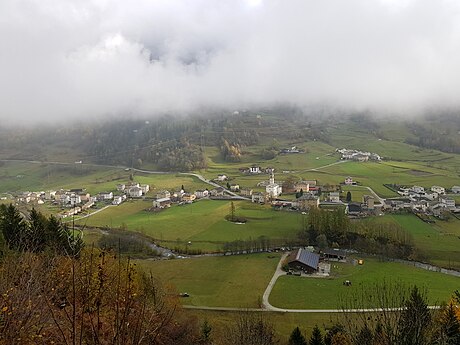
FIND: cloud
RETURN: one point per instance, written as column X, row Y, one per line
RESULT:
column 64, row 59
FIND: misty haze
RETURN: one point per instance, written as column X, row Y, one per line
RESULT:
column 241, row 172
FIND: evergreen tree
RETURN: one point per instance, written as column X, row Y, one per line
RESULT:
column 449, row 326
column 415, row 319
column 348, row 196
column 316, row 337
column 13, row 227
column 297, row 338
column 36, row 231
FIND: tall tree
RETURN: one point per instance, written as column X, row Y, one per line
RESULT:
column 316, row 337
column 348, row 196
column 13, row 227
column 415, row 319
column 297, row 338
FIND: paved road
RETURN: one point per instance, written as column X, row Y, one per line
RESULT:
column 278, row 272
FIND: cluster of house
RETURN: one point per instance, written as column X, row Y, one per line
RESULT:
column 164, row 198
column 255, row 169
column 358, row 156
column 433, row 201
column 292, row 149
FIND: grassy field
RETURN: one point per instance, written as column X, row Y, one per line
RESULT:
column 202, row 222
column 224, row 281
column 437, row 243
column 283, row 323
column 318, row 293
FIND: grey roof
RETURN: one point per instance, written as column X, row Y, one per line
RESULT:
column 307, row 258
column 334, row 251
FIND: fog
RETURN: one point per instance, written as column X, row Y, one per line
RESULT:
column 62, row 60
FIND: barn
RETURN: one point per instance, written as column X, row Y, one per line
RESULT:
column 334, row 254
column 303, row 260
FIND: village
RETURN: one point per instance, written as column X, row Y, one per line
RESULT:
column 286, row 195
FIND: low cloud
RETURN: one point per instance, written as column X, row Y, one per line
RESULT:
column 65, row 60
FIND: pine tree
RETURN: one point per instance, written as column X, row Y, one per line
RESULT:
column 415, row 319
column 316, row 337
column 348, row 196
column 449, row 330
column 13, row 227
column 297, row 338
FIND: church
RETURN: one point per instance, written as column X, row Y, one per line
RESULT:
column 273, row 189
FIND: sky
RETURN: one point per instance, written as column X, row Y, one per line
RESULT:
column 62, row 60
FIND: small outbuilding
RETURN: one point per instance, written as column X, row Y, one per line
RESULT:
column 303, row 260
column 334, row 254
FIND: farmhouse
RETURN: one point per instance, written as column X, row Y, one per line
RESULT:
column 202, row 193
column 105, row 196
column 219, row 191
column 307, row 201
column 162, row 203
column 163, row 194
column 449, row 203
column 258, row 197
column 145, row 188
column 302, row 185
column 234, row 187
column 117, row 200
column 455, row 189
column 187, row 197
column 349, row 181
column 368, row 202
column 254, row 170
column 246, row 191
column 222, row 177
column 334, row 197
column 135, row 192
column 438, row 189
column 303, row 260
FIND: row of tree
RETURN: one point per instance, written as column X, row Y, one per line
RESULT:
column 37, row 233
column 326, row 228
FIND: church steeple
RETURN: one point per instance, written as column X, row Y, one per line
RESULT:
column 272, row 178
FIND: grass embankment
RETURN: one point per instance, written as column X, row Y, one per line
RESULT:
column 224, row 281
column 326, row 293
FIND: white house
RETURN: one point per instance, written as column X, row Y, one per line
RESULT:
column 75, row 199
column 438, row 189
column 117, row 200
column 455, row 189
column 273, row 189
column 334, row 197
column 145, row 188
column 348, row 181
column 234, row 187
column 254, row 170
column 417, row 189
column 449, row 203
column 200, row 193
column 135, row 192
column 121, row 187
column 163, row 194
column 258, row 197
column 222, row 177
column 105, row 195
column 162, row 203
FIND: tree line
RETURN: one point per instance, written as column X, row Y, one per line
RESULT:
column 332, row 228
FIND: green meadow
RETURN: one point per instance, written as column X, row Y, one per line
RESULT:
column 293, row 292
column 203, row 222
column 223, row 281
column 437, row 243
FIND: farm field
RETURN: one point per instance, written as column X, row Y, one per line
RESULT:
column 203, row 223
column 223, row 281
column 326, row 293
column 437, row 243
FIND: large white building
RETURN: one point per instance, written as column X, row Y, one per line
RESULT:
column 273, row 189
